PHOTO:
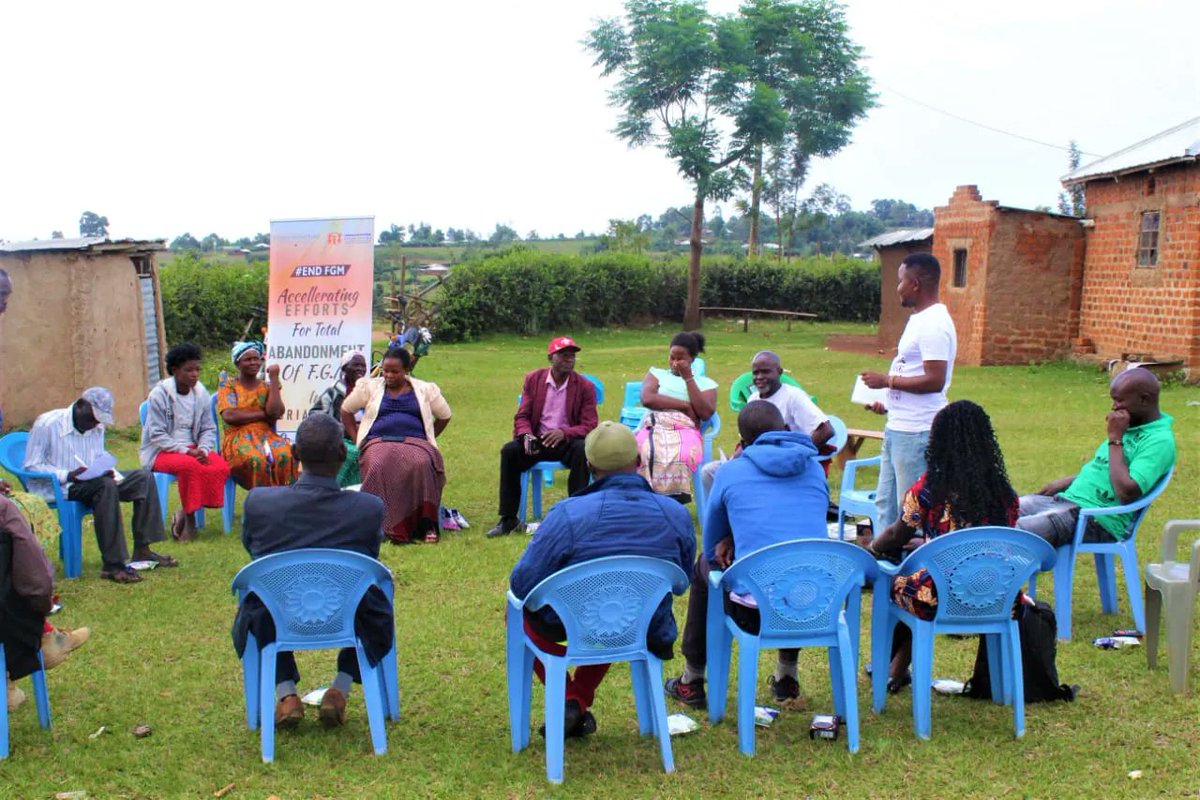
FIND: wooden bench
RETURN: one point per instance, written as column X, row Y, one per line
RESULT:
column 748, row 311
column 854, row 440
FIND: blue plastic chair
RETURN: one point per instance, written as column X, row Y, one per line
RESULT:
column 312, row 596
column 163, row 480
column 70, row 513
column 977, row 573
column 40, row 693
column 809, row 594
column 840, row 435
column 606, row 606
column 546, row 469
column 1103, row 552
column 857, row 502
column 631, row 417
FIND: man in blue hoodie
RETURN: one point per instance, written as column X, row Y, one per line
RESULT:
column 775, row 492
column 619, row 514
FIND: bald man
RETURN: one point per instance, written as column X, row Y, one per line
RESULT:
column 799, row 412
column 1139, row 450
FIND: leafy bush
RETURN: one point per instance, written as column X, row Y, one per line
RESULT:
column 209, row 303
column 527, row 291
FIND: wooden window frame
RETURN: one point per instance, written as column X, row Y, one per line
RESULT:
column 1148, row 238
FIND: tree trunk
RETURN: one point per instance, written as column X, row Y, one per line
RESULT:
column 755, row 202
column 691, row 309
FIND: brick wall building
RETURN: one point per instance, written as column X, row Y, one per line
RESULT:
column 1010, row 279
column 1141, row 279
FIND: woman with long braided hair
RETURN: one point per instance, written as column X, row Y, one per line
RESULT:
column 965, row 485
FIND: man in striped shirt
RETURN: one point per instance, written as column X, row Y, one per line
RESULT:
column 63, row 443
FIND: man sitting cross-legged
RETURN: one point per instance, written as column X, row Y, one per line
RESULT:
column 775, row 492
column 619, row 514
column 1139, row 450
column 315, row 512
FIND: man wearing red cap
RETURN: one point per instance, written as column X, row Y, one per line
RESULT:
column 557, row 410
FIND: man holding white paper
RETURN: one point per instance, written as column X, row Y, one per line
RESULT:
column 68, row 443
column 916, row 383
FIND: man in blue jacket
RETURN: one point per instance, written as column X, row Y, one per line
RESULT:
column 619, row 514
column 775, row 492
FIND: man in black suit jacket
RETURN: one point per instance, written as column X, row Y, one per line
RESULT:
column 315, row 512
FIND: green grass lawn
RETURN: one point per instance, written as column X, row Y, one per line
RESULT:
column 160, row 652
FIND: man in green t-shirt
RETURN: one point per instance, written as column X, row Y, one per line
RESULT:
column 1139, row 450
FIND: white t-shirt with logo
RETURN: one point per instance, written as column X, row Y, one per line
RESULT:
column 799, row 412
column 928, row 336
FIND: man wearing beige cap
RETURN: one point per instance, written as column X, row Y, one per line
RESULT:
column 557, row 410
column 618, row 515
column 65, row 442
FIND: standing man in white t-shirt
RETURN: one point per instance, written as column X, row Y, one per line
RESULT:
column 799, row 412
column 917, row 383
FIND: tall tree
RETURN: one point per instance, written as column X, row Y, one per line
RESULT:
column 1071, row 201
column 800, row 65
column 92, row 224
column 674, row 91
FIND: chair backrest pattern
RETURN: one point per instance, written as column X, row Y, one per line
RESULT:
column 801, row 586
column 314, row 593
column 978, row 571
column 606, row 604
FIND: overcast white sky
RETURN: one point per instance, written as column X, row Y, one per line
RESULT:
column 220, row 116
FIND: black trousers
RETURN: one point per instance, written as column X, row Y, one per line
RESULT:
column 514, row 461
column 695, row 630
column 104, row 496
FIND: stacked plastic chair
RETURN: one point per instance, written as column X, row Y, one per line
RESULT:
column 312, row 596
column 809, row 594
column 977, row 573
column 1174, row 584
column 606, row 606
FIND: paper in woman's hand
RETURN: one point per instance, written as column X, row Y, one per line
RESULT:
column 865, row 396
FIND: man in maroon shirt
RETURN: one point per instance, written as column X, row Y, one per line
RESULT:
column 557, row 410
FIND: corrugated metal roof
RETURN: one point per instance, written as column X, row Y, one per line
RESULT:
column 1181, row 143
column 84, row 243
column 898, row 237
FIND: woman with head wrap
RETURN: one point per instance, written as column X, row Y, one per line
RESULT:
column 352, row 367
column 179, row 436
column 249, row 407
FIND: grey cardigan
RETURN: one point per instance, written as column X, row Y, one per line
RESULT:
column 160, row 421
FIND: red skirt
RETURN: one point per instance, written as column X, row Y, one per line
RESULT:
column 200, row 485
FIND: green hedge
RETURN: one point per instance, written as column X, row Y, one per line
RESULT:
column 210, row 302
column 527, row 291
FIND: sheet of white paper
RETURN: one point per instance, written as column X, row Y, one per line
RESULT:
column 101, row 465
column 865, row 396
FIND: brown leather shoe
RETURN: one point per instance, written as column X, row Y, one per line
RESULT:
column 333, row 708
column 58, row 643
column 289, row 712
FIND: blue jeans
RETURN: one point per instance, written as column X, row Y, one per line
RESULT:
column 902, row 462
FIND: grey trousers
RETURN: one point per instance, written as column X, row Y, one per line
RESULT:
column 1054, row 519
column 104, row 496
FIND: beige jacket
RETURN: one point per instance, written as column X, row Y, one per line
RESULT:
column 368, row 394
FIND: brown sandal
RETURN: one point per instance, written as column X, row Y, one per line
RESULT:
column 432, row 538
column 120, row 576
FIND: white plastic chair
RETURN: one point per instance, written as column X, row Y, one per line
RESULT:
column 1177, row 583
